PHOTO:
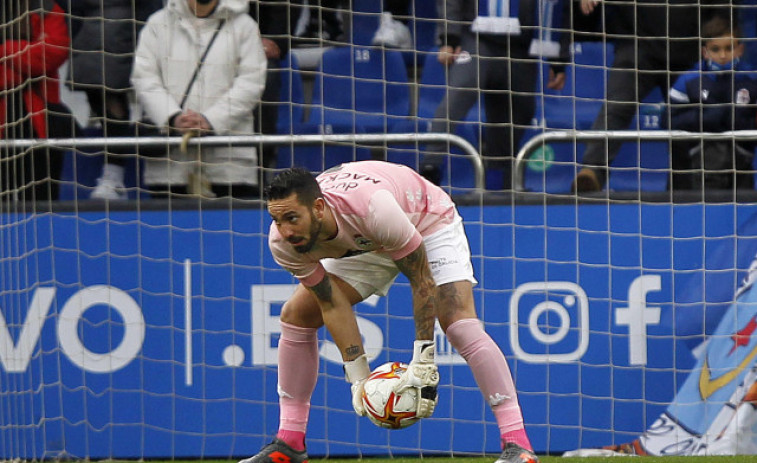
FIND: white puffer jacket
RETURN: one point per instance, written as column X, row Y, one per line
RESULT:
column 225, row 91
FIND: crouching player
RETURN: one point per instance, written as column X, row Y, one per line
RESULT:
column 346, row 235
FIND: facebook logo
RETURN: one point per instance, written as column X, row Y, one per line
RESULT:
column 638, row 315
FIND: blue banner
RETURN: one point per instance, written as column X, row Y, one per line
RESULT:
column 147, row 334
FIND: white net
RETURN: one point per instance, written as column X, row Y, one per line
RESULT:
column 142, row 324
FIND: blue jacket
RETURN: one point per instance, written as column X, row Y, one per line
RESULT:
column 705, row 101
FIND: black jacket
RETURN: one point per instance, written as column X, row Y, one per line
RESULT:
column 460, row 15
column 666, row 31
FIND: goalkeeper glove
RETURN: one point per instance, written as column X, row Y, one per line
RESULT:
column 356, row 372
column 423, row 375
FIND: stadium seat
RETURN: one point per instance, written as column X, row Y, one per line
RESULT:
column 578, row 103
column 319, row 157
column 424, row 18
column 637, row 166
column 361, row 88
column 82, row 168
column 425, row 26
column 431, row 91
column 292, row 97
column 365, row 21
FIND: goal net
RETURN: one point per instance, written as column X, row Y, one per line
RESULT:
column 143, row 323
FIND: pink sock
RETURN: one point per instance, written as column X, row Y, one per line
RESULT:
column 518, row 436
column 492, row 375
column 294, row 439
column 298, row 373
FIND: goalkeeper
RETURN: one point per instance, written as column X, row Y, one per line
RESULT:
column 346, row 235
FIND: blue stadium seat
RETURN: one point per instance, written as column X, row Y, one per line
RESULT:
column 320, row 157
column 637, row 166
column 365, row 21
column 643, row 166
column 578, row 103
column 362, row 88
column 431, row 91
column 424, row 28
column 292, row 97
column 555, row 174
column 82, row 169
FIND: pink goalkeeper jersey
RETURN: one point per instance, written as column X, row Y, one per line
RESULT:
column 378, row 206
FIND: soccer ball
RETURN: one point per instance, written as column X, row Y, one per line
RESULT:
column 384, row 407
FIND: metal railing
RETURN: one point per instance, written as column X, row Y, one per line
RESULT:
column 522, row 158
column 253, row 140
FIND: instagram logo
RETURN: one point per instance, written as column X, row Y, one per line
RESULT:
column 555, row 326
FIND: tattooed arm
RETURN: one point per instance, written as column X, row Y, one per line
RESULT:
column 422, row 372
column 339, row 318
column 416, row 268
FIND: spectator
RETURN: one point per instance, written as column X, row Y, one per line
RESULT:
column 216, row 96
column 272, row 19
column 393, row 32
column 35, row 43
column 655, row 42
column 717, row 95
column 100, row 66
column 316, row 22
column 498, row 54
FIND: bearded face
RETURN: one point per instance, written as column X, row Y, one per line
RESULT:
column 296, row 222
column 305, row 244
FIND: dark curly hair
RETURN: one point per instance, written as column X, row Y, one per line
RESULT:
column 294, row 180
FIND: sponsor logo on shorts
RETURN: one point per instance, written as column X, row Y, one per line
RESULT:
column 441, row 262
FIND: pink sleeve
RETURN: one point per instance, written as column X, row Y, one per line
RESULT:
column 315, row 277
column 391, row 226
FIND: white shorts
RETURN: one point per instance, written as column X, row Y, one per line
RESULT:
column 373, row 273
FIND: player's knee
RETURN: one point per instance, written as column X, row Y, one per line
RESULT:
column 288, row 314
column 300, row 315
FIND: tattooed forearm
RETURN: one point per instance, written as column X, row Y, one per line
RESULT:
column 415, row 267
column 424, row 318
column 323, row 290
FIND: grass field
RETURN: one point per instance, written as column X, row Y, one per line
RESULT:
column 543, row 459
column 557, row 459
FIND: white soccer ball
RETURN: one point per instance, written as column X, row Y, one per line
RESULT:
column 384, row 407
